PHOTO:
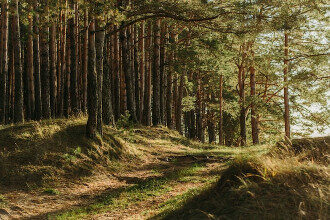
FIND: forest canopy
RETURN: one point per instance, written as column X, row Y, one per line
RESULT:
column 232, row 71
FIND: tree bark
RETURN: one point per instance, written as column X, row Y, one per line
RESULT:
column 162, row 71
column 169, row 93
column 85, row 64
column 53, row 70
column 221, row 142
column 30, row 78
column 4, row 62
column 141, row 68
column 156, row 120
column 92, row 93
column 99, row 44
column 136, row 72
column 199, row 117
column 147, row 90
column 73, row 38
column 124, row 40
column 36, row 64
column 116, row 72
column 108, row 116
column 286, row 87
column 178, row 118
column 44, row 66
column 18, row 108
column 254, row 116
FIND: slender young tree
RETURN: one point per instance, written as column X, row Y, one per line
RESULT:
column 221, row 142
column 254, row 117
column 286, row 86
column 241, row 85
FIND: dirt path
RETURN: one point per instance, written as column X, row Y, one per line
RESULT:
column 39, row 205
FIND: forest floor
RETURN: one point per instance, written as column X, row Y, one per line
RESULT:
column 146, row 173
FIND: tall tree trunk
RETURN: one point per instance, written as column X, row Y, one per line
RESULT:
column 107, row 109
column 30, row 78
column 11, row 79
column 147, row 90
column 18, row 108
column 53, row 79
column 99, row 44
column 36, row 64
column 85, row 64
column 241, row 77
column 169, row 93
column 221, row 142
column 141, row 68
column 178, row 118
column 124, row 40
column 241, row 84
column 254, row 116
column 199, row 115
column 59, row 103
column 162, row 71
column 136, row 73
column 117, row 77
column 4, row 62
column 67, row 65
column 286, row 86
column 156, row 120
column 44, row 67
column 73, row 36
column 211, row 127
column 92, row 93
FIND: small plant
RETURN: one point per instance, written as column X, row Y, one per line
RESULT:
column 51, row 191
column 72, row 156
column 125, row 121
column 2, row 199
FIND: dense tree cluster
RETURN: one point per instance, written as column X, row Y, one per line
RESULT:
column 204, row 68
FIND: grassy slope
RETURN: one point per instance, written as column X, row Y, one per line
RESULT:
column 287, row 183
column 259, row 182
column 41, row 153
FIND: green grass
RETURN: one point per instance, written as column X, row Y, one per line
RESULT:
column 51, row 191
column 122, row 198
column 270, row 186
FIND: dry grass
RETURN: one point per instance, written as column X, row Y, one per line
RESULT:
column 283, row 184
column 43, row 154
column 40, row 153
